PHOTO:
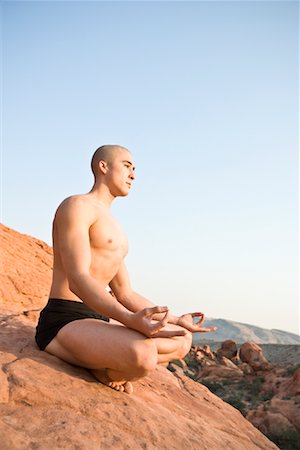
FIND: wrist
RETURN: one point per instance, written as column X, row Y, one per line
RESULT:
column 126, row 318
column 174, row 320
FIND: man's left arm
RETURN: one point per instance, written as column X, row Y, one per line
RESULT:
column 122, row 290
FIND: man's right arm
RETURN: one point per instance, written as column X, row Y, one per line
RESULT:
column 74, row 219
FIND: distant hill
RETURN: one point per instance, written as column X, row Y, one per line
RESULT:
column 242, row 332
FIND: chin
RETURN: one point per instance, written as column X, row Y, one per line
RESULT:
column 122, row 194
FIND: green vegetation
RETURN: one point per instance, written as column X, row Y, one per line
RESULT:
column 191, row 375
column 291, row 370
column 268, row 395
column 237, row 403
column 289, row 440
column 214, row 386
column 192, row 364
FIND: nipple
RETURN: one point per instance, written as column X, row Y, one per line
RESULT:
column 109, row 241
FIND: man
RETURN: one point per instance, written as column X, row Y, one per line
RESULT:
column 119, row 337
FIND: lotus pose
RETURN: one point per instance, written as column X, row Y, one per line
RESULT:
column 119, row 337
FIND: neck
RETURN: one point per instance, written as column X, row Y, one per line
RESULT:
column 101, row 194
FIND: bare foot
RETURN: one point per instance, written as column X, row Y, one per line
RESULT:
column 121, row 386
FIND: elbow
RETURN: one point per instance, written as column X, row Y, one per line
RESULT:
column 72, row 286
column 75, row 282
column 123, row 295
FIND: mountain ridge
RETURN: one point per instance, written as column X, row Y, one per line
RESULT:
column 242, row 332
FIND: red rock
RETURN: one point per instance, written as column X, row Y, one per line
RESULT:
column 228, row 349
column 270, row 422
column 247, row 370
column 228, row 363
column 25, row 271
column 292, row 387
column 215, row 372
column 4, row 388
column 252, row 354
column 207, row 351
column 47, row 404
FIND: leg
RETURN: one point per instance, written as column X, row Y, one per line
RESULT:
column 171, row 348
column 94, row 344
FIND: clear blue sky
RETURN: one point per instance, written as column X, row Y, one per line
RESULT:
column 205, row 94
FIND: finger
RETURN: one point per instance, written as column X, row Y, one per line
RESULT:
column 198, row 314
column 168, row 334
column 165, row 319
column 161, row 323
column 206, row 329
column 200, row 321
column 155, row 310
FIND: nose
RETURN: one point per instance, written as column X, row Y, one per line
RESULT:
column 132, row 175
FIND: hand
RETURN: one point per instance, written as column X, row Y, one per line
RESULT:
column 186, row 321
column 142, row 322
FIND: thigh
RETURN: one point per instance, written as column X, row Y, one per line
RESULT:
column 95, row 344
column 167, row 345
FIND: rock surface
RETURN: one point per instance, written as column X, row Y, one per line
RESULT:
column 25, row 271
column 48, row 404
column 252, row 354
column 228, row 349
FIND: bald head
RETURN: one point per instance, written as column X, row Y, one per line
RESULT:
column 105, row 153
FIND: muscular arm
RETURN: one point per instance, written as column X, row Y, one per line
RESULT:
column 121, row 287
column 73, row 220
column 134, row 302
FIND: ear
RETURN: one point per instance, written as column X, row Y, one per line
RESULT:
column 103, row 166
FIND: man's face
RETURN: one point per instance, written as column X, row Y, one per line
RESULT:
column 121, row 173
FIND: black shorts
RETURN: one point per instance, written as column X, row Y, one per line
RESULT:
column 56, row 314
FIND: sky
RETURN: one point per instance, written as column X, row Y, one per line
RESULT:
column 206, row 97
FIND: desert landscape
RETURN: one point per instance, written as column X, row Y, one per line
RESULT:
column 46, row 403
column 265, row 390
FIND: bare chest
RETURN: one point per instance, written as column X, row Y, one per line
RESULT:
column 106, row 236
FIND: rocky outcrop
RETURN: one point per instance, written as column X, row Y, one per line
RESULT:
column 252, row 354
column 25, row 271
column 46, row 403
column 281, row 416
column 268, row 396
column 228, row 349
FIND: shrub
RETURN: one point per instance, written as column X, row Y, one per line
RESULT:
column 237, row 403
column 289, row 440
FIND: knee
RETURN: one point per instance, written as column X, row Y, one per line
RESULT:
column 184, row 345
column 144, row 354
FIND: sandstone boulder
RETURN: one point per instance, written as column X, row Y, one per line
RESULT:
column 252, row 354
column 228, row 349
column 220, row 372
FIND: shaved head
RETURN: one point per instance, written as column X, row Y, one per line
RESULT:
column 105, row 153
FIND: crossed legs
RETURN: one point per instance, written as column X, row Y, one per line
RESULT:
column 115, row 354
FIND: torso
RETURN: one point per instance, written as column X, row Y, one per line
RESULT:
column 108, row 246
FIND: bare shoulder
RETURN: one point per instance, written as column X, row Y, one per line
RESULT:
column 75, row 207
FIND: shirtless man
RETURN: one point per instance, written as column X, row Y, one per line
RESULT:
column 119, row 337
